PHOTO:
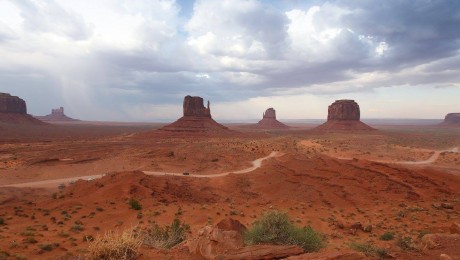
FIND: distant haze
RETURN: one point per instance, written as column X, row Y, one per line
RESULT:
column 135, row 60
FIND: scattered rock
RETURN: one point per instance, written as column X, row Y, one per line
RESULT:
column 433, row 241
column 225, row 241
column 455, row 228
column 342, row 255
column 356, row 226
column 444, row 257
column 447, row 205
column 367, row 228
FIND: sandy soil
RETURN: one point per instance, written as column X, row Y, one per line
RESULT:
column 312, row 178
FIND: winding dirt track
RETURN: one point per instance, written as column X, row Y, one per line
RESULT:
column 430, row 160
column 53, row 183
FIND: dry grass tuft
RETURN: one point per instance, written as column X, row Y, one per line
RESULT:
column 114, row 246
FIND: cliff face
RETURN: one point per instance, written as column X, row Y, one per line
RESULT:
column 12, row 104
column 343, row 110
column 452, row 119
column 193, row 106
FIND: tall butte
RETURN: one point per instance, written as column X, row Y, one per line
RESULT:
column 343, row 115
column 56, row 115
column 14, row 110
column 196, row 120
column 269, row 120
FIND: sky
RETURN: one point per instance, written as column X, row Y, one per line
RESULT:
column 135, row 60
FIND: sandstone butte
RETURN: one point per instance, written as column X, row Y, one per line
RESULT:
column 452, row 119
column 343, row 115
column 269, row 121
column 14, row 110
column 196, row 119
column 56, row 115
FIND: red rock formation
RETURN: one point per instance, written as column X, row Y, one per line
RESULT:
column 344, row 109
column 196, row 120
column 14, row 110
column 56, row 115
column 225, row 241
column 452, row 119
column 12, row 104
column 343, row 115
column 269, row 121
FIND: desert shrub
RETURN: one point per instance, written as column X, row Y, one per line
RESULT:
column 165, row 237
column 369, row 250
column 113, row 246
column 405, row 243
column 422, row 233
column 2, row 221
column 276, row 228
column 4, row 255
column 48, row 247
column 387, row 236
column 134, row 204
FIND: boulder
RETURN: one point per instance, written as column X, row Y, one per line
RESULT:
column 225, row 241
column 12, row 104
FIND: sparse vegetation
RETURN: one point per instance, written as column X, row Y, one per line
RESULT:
column 276, row 228
column 48, row 247
column 369, row 250
column 113, row 246
column 165, row 237
column 405, row 243
column 2, row 222
column 387, row 236
column 135, row 204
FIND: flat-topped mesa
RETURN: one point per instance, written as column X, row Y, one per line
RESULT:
column 270, row 113
column 343, row 115
column 12, row 104
column 344, row 109
column 452, row 119
column 193, row 106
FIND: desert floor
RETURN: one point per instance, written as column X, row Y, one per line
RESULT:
column 404, row 180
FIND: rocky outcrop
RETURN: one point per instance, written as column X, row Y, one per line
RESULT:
column 12, row 104
column 13, row 110
column 269, row 121
column 343, row 115
column 342, row 255
column 344, row 109
column 225, row 241
column 452, row 119
column 56, row 115
column 196, row 120
column 193, row 106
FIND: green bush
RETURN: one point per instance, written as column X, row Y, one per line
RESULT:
column 165, row 237
column 276, row 228
column 369, row 250
column 387, row 236
column 135, row 204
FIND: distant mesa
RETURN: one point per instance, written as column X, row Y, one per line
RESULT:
column 452, row 119
column 343, row 115
column 56, row 115
column 269, row 120
column 14, row 110
column 196, row 120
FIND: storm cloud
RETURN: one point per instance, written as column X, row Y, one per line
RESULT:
column 136, row 59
